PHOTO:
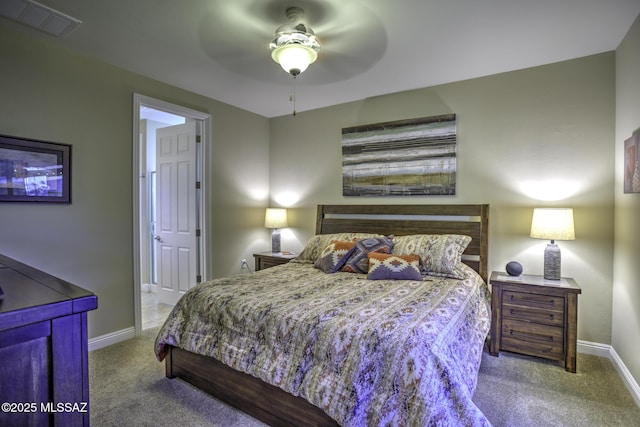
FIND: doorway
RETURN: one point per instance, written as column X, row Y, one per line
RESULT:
column 152, row 239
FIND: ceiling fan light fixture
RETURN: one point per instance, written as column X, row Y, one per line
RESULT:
column 295, row 45
column 294, row 58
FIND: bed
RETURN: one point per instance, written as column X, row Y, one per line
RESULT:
column 300, row 345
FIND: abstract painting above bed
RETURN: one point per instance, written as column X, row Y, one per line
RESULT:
column 383, row 352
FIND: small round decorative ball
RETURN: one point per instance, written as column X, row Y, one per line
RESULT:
column 514, row 268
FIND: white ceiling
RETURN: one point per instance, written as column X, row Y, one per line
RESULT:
column 219, row 48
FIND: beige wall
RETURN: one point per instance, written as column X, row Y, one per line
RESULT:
column 50, row 94
column 551, row 125
column 626, row 285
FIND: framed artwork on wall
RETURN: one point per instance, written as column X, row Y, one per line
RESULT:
column 413, row 157
column 632, row 164
column 34, row 171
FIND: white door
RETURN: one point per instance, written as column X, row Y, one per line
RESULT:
column 176, row 209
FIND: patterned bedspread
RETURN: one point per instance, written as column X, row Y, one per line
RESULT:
column 369, row 353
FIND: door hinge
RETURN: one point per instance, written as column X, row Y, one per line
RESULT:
column 198, row 139
column 197, row 185
column 197, row 232
column 198, row 278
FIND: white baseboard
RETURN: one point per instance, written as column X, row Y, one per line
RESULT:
column 149, row 287
column 627, row 378
column 605, row 350
column 111, row 338
column 594, row 348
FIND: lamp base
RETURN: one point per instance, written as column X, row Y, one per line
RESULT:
column 275, row 241
column 552, row 262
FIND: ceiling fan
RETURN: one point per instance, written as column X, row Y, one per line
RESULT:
column 295, row 45
column 237, row 35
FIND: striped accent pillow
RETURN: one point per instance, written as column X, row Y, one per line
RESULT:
column 393, row 267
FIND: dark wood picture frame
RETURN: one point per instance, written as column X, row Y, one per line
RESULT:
column 34, row 171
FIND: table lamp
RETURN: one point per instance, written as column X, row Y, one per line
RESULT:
column 552, row 224
column 275, row 218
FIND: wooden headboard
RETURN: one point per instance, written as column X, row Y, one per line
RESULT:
column 401, row 220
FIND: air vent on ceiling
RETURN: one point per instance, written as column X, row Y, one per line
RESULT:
column 38, row 16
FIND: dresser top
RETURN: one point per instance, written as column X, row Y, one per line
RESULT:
column 31, row 295
column 565, row 283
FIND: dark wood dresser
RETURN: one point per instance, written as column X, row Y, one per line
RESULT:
column 534, row 316
column 44, row 376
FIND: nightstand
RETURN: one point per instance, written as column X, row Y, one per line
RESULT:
column 534, row 316
column 271, row 259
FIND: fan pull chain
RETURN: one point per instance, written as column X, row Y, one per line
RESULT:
column 292, row 97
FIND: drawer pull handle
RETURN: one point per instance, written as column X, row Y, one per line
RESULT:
column 549, row 302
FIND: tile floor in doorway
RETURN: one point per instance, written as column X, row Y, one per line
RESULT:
column 154, row 313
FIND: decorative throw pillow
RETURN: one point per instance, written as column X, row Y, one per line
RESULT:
column 317, row 243
column 333, row 257
column 440, row 253
column 358, row 262
column 393, row 267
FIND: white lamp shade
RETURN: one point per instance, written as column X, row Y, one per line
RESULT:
column 275, row 218
column 294, row 57
column 552, row 224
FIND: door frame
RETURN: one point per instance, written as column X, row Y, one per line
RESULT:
column 139, row 180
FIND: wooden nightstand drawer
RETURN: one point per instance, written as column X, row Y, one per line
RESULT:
column 268, row 263
column 545, row 302
column 533, row 339
column 546, row 317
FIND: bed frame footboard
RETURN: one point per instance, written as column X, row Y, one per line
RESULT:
column 247, row 393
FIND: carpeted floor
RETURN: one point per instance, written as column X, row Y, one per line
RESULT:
column 515, row 390
column 128, row 387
